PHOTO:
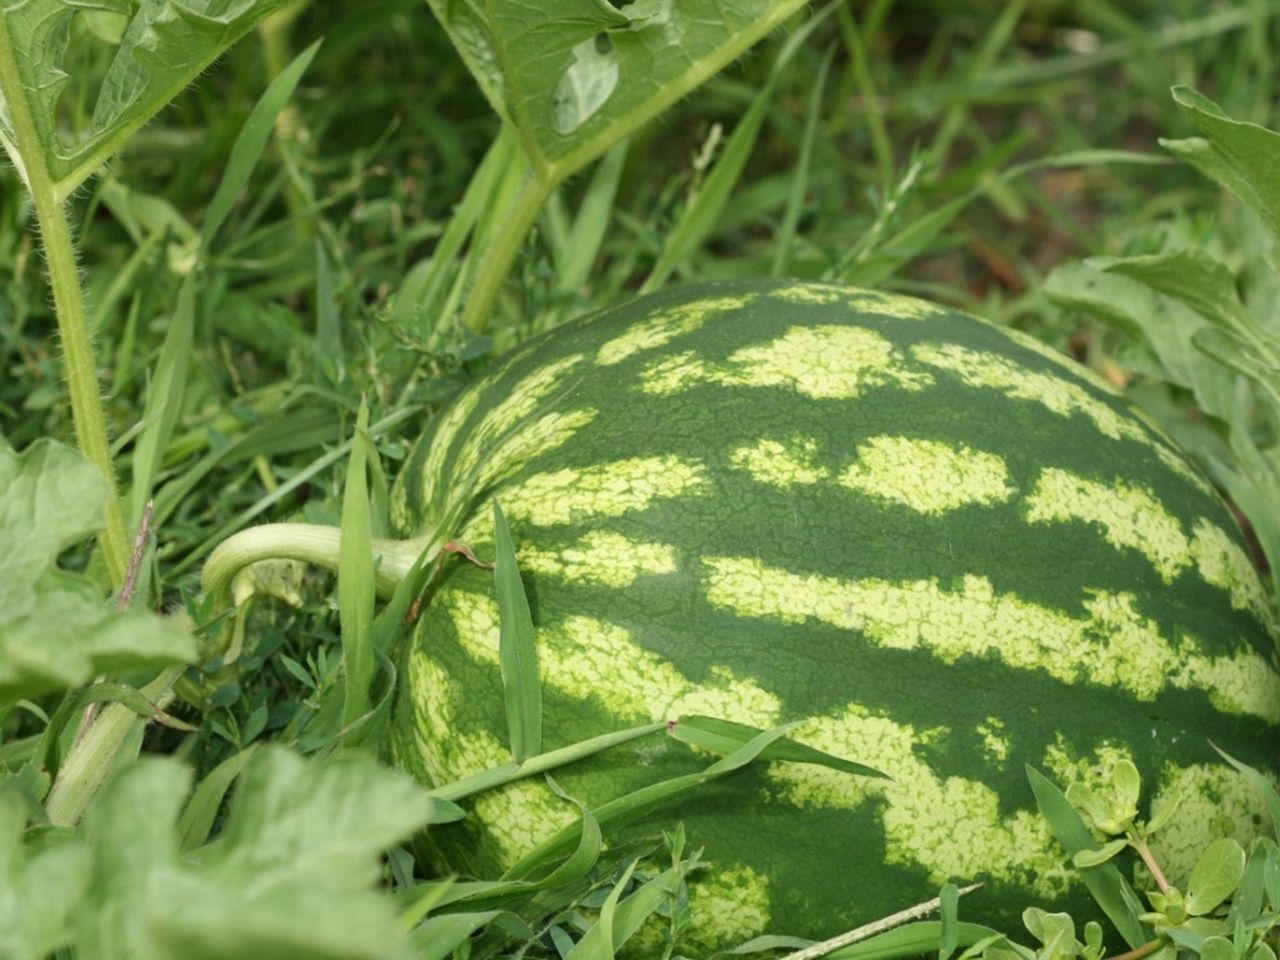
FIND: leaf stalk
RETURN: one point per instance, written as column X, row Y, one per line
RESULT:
column 68, row 299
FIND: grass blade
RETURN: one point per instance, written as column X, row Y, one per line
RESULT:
column 328, row 339
column 196, row 821
column 437, row 937
column 639, row 802
column 911, row 940
column 517, row 650
column 949, row 910
column 1105, row 882
column 725, row 736
column 599, row 942
column 800, row 178
column 589, row 226
column 251, row 141
column 700, row 216
column 1262, row 783
column 356, row 579
column 164, row 398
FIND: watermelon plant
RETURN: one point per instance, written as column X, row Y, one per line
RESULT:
column 941, row 549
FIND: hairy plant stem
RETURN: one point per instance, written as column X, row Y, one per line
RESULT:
column 68, row 300
column 96, row 753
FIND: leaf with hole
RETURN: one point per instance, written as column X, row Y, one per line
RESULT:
column 165, row 45
column 574, row 78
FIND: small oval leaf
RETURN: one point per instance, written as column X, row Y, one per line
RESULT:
column 1217, row 948
column 1092, row 858
column 1215, row 877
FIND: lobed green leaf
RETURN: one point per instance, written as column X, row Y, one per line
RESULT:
column 166, row 45
column 56, row 629
column 574, row 78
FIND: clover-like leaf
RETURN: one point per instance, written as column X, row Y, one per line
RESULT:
column 577, row 76
column 1215, row 876
column 164, row 46
column 56, row 628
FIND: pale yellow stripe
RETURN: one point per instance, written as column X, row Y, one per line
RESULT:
column 823, row 362
column 599, row 557
column 500, row 421
column 727, row 905
column 602, row 490
column 517, row 448
column 662, row 328
column 1130, row 517
column 593, row 660
column 1060, row 396
column 891, row 305
column 778, row 464
column 1113, row 645
column 1063, row 397
column 927, row 476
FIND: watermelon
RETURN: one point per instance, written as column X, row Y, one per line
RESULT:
column 947, row 550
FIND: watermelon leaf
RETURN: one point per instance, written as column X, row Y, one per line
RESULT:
column 517, row 652
column 1192, row 277
column 1237, row 154
column 725, row 736
column 42, row 885
column 576, row 77
column 162, row 49
column 57, row 630
column 293, row 873
column 1105, row 882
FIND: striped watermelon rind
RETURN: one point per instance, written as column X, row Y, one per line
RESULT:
column 948, row 550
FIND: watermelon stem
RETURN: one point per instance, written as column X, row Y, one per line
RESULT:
column 308, row 542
